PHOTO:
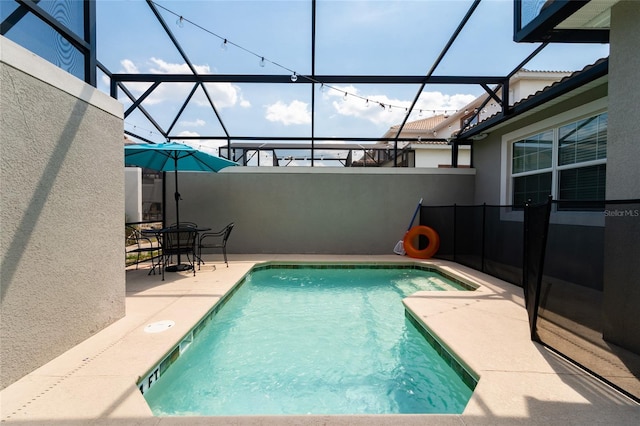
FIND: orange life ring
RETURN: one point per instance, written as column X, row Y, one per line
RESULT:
column 430, row 250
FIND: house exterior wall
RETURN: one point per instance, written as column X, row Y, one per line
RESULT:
column 490, row 156
column 436, row 157
column 133, row 192
column 621, row 234
column 315, row 210
column 526, row 83
column 622, row 294
column 62, row 211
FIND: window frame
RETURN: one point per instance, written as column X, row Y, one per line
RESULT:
column 552, row 123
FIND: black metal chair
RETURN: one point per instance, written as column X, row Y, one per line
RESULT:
column 215, row 240
column 141, row 245
column 179, row 242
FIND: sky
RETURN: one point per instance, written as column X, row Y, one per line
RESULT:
column 352, row 38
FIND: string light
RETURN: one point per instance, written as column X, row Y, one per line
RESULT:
column 142, row 129
column 294, row 75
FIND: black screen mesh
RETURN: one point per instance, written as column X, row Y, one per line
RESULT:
column 568, row 310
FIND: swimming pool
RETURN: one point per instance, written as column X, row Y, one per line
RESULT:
column 310, row 339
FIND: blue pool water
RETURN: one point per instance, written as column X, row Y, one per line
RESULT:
column 314, row 341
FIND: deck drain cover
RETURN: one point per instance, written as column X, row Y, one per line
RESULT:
column 159, row 326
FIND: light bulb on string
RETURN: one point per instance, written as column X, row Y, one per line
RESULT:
column 180, row 22
column 224, row 44
column 262, row 62
column 294, row 77
column 367, row 103
column 345, row 96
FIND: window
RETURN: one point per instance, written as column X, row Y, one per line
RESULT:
column 48, row 32
column 567, row 162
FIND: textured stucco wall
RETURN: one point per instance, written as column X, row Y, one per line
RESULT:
column 622, row 234
column 623, row 146
column 338, row 211
column 133, row 194
column 61, row 211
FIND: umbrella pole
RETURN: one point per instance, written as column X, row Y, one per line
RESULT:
column 177, row 197
column 178, row 266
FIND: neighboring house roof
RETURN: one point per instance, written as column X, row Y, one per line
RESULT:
column 585, row 79
column 128, row 141
column 523, row 85
column 423, row 124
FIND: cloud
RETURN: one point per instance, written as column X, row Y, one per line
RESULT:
column 164, row 67
column 188, row 133
column 129, row 67
column 210, row 146
column 439, row 101
column 373, row 110
column 370, row 107
column 224, row 95
column 297, row 112
column 196, row 123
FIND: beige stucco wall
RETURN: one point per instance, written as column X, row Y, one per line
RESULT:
column 438, row 156
column 315, row 210
column 622, row 233
column 623, row 146
column 61, row 211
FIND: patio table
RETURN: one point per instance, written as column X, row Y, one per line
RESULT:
column 160, row 234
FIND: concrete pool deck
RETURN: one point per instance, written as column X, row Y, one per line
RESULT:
column 520, row 381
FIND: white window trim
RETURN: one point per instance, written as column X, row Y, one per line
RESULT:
column 584, row 111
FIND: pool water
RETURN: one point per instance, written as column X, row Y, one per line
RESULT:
column 314, row 341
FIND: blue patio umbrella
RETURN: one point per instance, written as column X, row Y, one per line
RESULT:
column 167, row 157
